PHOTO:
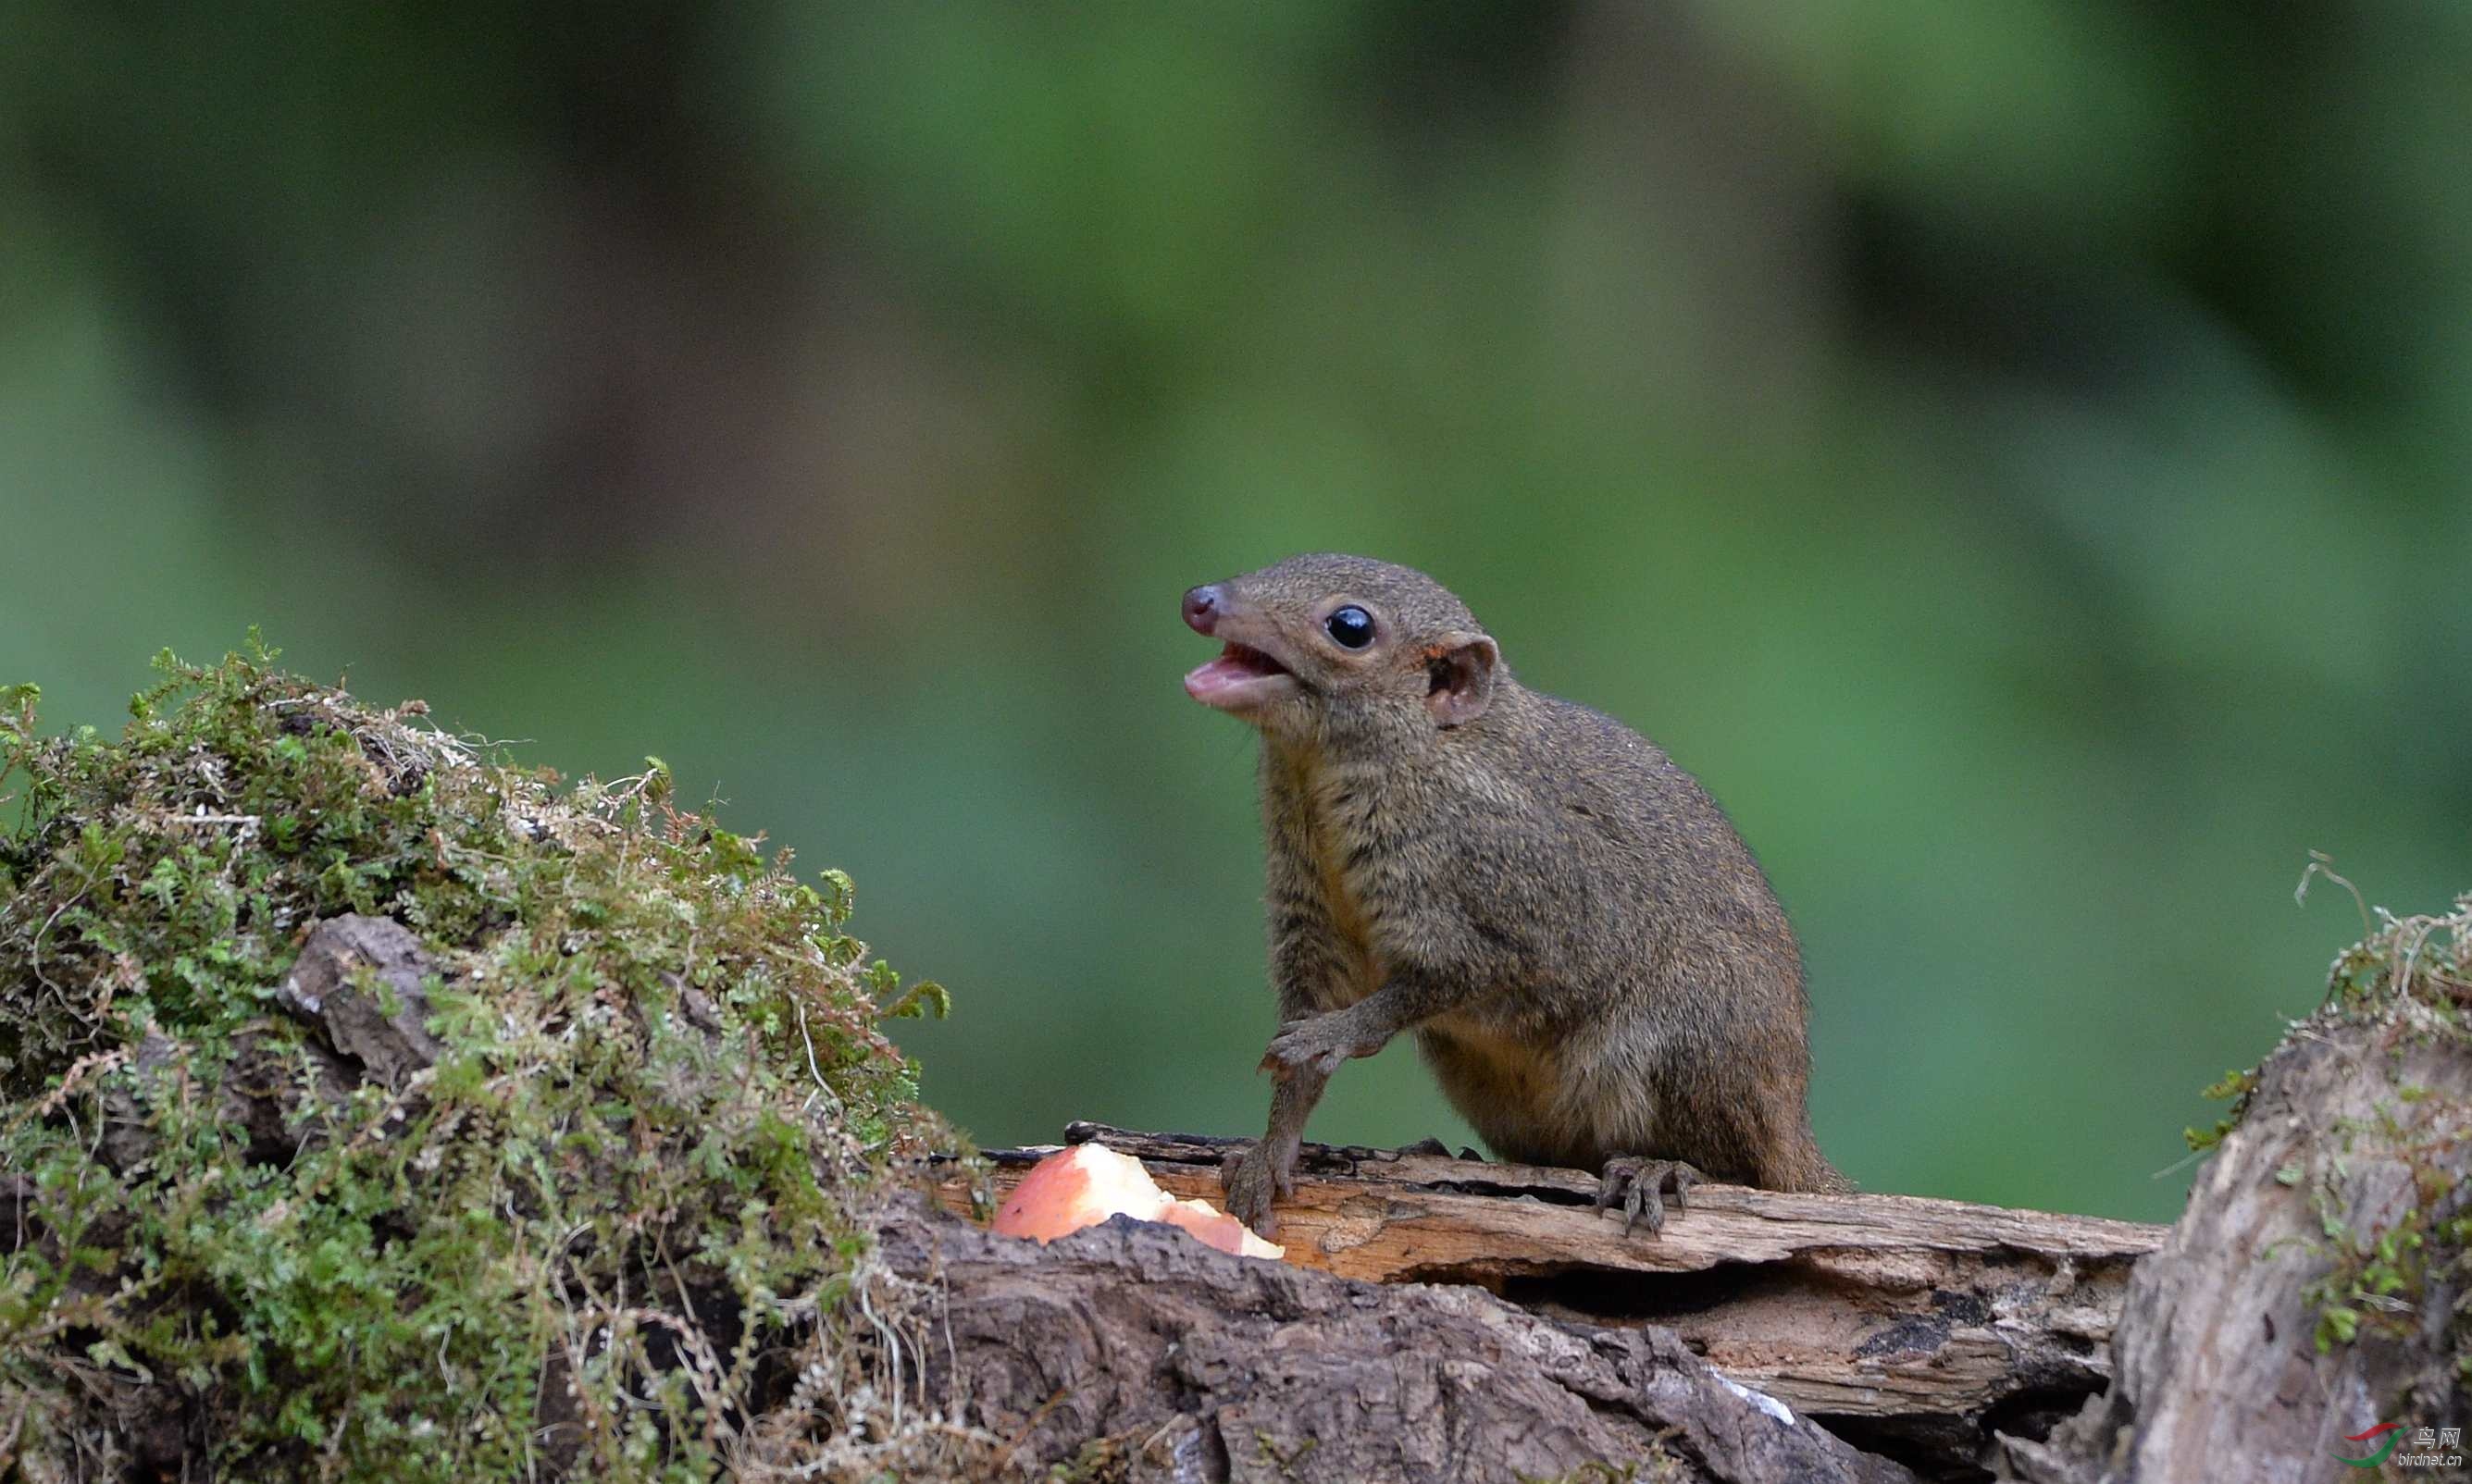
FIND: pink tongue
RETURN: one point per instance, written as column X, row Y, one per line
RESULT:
column 1220, row 676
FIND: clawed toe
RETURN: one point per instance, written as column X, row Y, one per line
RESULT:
column 1639, row 1186
column 1252, row 1181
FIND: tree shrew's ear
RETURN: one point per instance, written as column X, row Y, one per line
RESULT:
column 1461, row 668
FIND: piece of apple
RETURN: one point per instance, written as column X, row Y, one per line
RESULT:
column 1075, row 1187
column 1219, row 1230
column 1088, row 1182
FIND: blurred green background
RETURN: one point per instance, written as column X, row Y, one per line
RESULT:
column 2016, row 454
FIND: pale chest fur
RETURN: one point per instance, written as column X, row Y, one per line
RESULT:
column 1318, row 819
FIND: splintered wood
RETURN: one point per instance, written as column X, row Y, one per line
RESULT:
column 1922, row 1321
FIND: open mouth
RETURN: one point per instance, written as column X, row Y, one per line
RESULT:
column 1240, row 678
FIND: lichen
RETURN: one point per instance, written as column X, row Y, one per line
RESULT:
column 616, row 1230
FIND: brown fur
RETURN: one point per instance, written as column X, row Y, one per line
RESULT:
column 1592, row 961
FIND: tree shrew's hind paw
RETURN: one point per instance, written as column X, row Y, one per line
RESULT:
column 1638, row 1185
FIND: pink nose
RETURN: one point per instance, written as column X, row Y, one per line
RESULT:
column 1201, row 609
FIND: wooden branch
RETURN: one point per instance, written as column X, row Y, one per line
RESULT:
column 1914, row 1326
column 1128, row 1352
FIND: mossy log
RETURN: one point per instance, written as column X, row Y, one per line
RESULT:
column 372, row 1107
column 2317, row 1290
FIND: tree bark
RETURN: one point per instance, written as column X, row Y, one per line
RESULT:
column 2332, row 1208
column 1913, row 1327
column 1130, row 1352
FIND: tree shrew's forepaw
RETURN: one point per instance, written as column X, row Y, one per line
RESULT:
column 1638, row 1185
column 1311, row 1047
column 1253, row 1182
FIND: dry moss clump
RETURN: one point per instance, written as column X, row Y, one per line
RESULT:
column 602, row 1217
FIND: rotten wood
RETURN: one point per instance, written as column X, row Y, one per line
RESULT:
column 1130, row 1352
column 1916, row 1327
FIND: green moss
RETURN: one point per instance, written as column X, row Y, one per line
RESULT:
column 1103, row 1460
column 2234, row 1087
column 1658, row 1466
column 2409, row 980
column 608, row 1228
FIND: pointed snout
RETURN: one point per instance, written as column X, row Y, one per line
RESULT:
column 1203, row 607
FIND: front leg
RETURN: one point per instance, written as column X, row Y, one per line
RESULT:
column 1323, row 1044
column 1300, row 1061
column 1312, row 969
column 1265, row 1171
column 1301, row 1058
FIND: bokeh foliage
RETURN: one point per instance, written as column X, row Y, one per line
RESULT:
column 2016, row 454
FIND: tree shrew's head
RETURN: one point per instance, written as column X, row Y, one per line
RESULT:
column 1323, row 643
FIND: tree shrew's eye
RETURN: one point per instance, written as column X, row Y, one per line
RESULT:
column 1351, row 626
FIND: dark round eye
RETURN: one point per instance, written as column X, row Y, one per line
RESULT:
column 1352, row 626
